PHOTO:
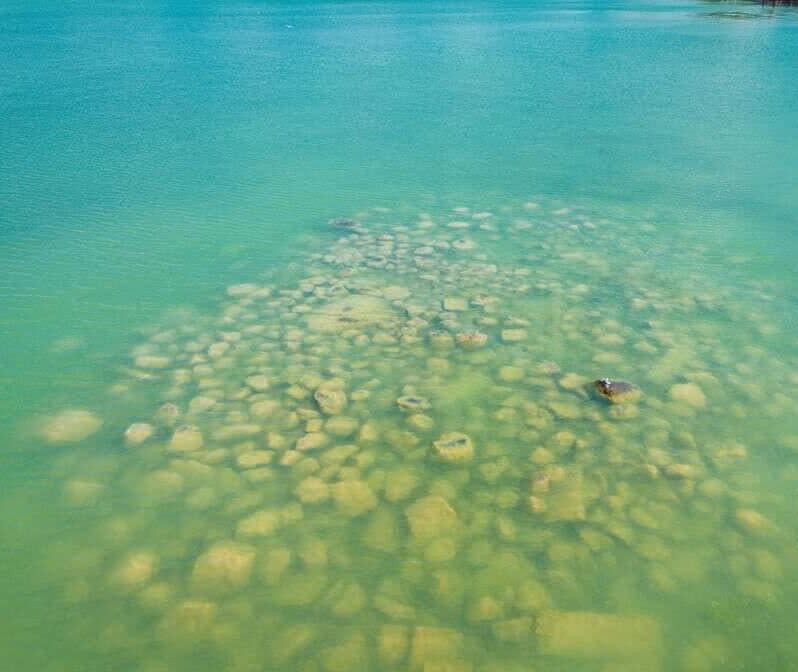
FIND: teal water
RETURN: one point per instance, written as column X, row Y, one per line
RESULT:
column 154, row 154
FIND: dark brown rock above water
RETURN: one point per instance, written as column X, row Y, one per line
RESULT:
column 617, row 391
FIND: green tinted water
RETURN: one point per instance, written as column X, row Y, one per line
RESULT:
column 545, row 196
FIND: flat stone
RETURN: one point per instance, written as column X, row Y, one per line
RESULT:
column 188, row 621
column 292, row 641
column 596, row 636
column 513, row 335
column 754, row 523
column 312, row 490
column 240, row 430
column 413, row 403
column 353, row 498
column 275, row 562
column 396, row 293
column 242, row 289
column 223, row 568
column 454, row 447
column 400, row 484
column 688, row 393
column 564, row 501
column 138, row 433
column 331, row 400
column 573, row 382
column 259, row 383
column 455, row 304
column 392, row 644
column 70, row 426
column 430, row 518
column 186, row 439
column 311, row 441
column 152, row 362
column 136, row 570
column 254, row 458
column 218, row 350
column 341, row 426
column 382, row 531
column 80, row 492
column 471, row 340
column 259, row 524
column 434, row 645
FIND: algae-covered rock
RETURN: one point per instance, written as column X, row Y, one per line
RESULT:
column 331, row 400
column 485, row 608
column 311, row 441
column 186, row 439
column 454, row 447
column 298, row 589
column 254, row 458
column 431, row 517
column 455, row 304
column 413, row 403
column 258, row 382
column 342, row 426
column 259, row 524
column 353, row 498
column 82, row 492
column 225, row 567
column 514, row 630
column 152, row 362
column 382, row 531
column 432, row 646
column 138, row 433
column 564, row 499
column 275, row 562
column 441, row 550
column 688, row 393
column 400, row 484
column 312, row 490
column 513, row 335
column 135, row 570
column 392, row 644
column 471, row 340
column 356, row 311
column 351, row 654
column 754, row 523
column 595, row 636
column 291, row 641
column 70, row 426
column 188, row 621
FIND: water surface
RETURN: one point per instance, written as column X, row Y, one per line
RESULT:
column 612, row 182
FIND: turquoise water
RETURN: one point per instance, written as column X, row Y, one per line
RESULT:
column 626, row 172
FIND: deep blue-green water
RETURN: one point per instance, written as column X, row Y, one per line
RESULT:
column 623, row 182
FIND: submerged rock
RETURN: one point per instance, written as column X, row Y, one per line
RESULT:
column 71, row 426
column 434, row 647
column 330, row 400
column 138, row 433
column 688, row 393
column 430, row 518
column 344, row 223
column 454, row 447
column 185, row 439
column 352, row 312
column 471, row 340
column 223, row 568
column 353, row 498
column 413, row 403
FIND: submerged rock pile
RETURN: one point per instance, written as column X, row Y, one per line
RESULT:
column 399, row 462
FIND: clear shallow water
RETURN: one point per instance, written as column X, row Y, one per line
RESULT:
column 151, row 157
